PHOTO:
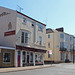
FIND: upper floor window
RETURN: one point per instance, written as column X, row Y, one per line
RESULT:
column 48, row 45
column 48, row 35
column 61, row 44
column 66, row 37
column 71, row 46
column 62, row 35
column 25, row 37
column 71, row 38
column 33, row 24
column 40, row 40
column 24, row 20
column 40, row 28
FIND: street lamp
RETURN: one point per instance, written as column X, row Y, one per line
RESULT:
column 73, row 50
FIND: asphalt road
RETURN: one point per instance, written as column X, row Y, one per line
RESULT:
column 60, row 69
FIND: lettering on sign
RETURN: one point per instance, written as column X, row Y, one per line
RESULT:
column 9, row 33
column 4, row 13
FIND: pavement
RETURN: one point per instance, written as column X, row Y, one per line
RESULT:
column 15, row 69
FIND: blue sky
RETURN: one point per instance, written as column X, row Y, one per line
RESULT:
column 54, row 13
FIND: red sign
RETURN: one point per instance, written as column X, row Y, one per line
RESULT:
column 9, row 33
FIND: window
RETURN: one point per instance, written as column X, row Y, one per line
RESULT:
column 24, row 20
column 48, row 55
column 33, row 24
column 66, row 37
column 31, row 57
column 48, row 35
column 25, row 37
column 48, row 45
column 40, row 28
column 40, row 40
column 71, row 47
column 22, row 39
column 61, row 44
column 62, row 35
column 6, row 57
column 71, row 38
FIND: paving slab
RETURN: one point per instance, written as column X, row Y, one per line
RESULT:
column 14, row 69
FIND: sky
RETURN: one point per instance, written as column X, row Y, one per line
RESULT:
column 53, row 13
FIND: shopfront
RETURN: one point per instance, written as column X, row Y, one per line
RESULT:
column 7, row 56
column 26, row 56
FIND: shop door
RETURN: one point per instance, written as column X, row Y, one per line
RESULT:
column 18, row 58
column 27, row 58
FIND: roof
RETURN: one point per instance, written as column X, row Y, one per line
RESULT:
column 49, row 30
column 4, row 47
column 30, row 18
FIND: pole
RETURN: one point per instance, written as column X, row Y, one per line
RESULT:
column 73, row 50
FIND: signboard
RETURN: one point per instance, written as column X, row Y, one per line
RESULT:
column 50, row 51
column 9, row 33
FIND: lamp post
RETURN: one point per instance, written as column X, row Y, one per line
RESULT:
column 73, row 50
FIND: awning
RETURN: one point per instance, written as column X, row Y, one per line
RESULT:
column 30, row 49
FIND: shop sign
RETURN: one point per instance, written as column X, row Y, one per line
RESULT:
column 4, row 13
column 50, row 51
column 9, row 33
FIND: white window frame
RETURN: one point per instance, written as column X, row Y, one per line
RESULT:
column 24, row 37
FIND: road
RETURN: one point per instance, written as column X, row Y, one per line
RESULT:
column 60, row 69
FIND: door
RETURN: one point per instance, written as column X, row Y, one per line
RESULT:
column 27, row 58
column 18, row 60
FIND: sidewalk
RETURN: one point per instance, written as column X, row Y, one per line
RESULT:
column 14, row 69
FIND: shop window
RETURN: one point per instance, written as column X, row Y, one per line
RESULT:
column 7, row 57
column 31, row 57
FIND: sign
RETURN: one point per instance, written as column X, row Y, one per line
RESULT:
column 50, row 51
column 4, row 13
column 9, row 33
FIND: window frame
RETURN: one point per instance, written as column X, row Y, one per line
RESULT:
column 40, row 42
column 48, row 35
column 10, row 57
column 28, row 33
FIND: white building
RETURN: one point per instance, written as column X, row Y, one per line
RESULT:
column 25, row 34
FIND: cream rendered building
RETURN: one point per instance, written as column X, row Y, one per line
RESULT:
column 26, row 35
column 61, row 45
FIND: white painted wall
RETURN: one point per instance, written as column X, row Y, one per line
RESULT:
column 4, row 21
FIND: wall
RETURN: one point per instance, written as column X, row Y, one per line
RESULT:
column 28, row 27
column 5, row 20
column 12, row 58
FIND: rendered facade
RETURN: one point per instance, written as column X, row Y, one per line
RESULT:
column 61, row 45
column 26, row 35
